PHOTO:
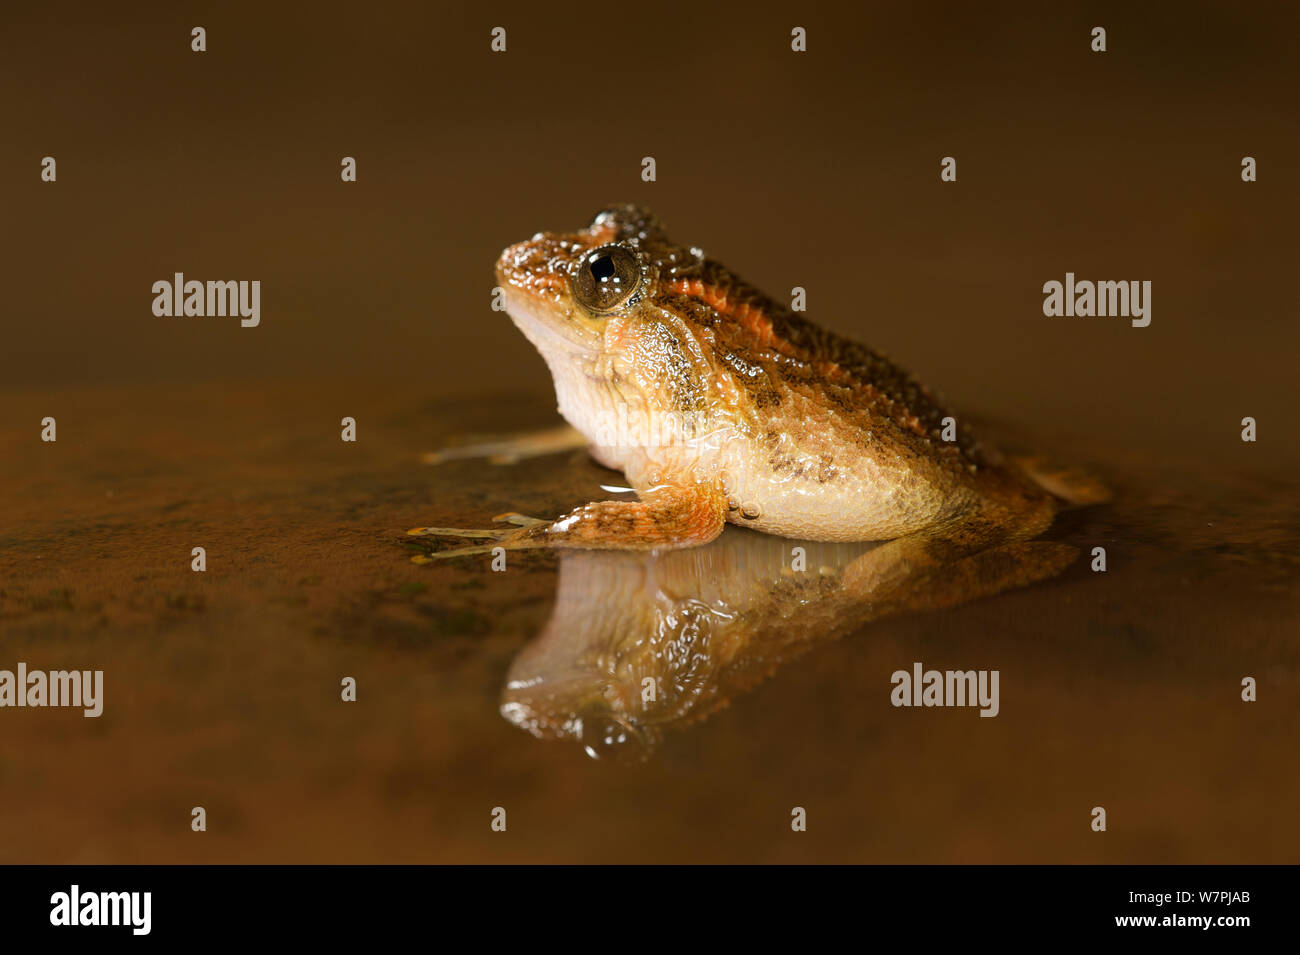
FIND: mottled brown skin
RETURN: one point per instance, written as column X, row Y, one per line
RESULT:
column 785, row 427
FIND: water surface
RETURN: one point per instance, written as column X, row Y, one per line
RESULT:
column 222, row 689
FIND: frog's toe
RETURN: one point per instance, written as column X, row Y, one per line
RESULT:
column 454, row 532
column 469, row 533
column 450, row 552
column 519, row 520
column 478, row 541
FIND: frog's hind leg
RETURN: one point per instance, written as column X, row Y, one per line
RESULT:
column 513, row 448
column 979, row 551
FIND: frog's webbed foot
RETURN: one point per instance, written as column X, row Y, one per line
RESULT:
column 489, row 539
column 513, row 448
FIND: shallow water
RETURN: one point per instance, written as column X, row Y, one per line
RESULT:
column 1119, row 689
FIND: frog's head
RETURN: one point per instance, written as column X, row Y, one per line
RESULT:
column 595, row 303
column 563, row 288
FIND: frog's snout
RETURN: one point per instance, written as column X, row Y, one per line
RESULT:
column 539, row 265
column 511, row 261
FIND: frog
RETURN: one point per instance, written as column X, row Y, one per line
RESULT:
column 723, row 405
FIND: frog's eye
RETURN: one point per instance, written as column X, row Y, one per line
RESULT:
column 607, row 279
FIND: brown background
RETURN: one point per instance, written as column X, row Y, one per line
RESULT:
column 818, row 170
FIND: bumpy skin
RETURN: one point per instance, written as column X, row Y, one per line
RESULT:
column 720, row 404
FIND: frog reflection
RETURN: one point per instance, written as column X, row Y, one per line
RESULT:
column 639, row 643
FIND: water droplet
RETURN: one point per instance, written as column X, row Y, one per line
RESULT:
column 606, row 737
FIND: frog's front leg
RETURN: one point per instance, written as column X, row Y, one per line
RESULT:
column 667, row 516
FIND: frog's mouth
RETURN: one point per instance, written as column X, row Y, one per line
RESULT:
column 548, row 327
